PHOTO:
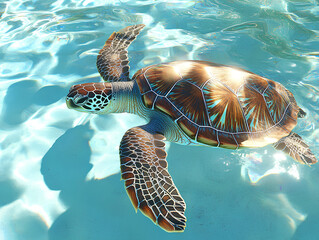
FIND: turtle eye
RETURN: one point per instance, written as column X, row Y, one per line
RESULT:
column 82, row 100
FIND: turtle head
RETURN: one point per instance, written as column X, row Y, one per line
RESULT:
column 90, row 97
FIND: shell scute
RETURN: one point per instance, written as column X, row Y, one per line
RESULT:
column 254, row 108
column 162, row 78
column 189, row 128
column 208, row 136
column 257, row 83
column 289, row 119
column 143, row 85
column 148, row 99
column 227, row 140
column 189, row 100
column 167, row 107
column 197, row 75
column 275, row 101
column 224, row 110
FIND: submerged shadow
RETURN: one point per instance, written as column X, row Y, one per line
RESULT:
column 23, row 98
column 306, row 230
column 99, row 209
column 95, row 207
column 66, row 164
column 9, row 192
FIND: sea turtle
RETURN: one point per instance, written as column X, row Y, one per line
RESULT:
column 188, row 102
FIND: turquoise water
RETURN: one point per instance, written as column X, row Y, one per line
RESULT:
column 59, row 169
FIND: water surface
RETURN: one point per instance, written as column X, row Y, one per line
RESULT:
column 59, row 168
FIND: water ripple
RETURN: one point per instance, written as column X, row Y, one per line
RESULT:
column 47, row 46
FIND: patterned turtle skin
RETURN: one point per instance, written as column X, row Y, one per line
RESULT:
column 219, row 105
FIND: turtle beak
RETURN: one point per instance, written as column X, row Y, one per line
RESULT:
column 70, row 103
column 76, row 102
column 69, row 99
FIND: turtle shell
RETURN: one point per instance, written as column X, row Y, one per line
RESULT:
column 219, row 105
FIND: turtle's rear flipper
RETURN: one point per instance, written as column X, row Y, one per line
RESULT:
column 301, row 113
column 295, row 146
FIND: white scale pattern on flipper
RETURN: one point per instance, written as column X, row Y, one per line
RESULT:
column 148, row 183
column 295, row 146
column 112, row 61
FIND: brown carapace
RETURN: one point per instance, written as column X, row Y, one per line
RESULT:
column 219, row 105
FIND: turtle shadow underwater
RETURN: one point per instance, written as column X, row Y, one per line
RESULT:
column 94, row 207
column 15, row 111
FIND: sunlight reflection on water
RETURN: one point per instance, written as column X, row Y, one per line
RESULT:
column 47, row 46
column 256, row 168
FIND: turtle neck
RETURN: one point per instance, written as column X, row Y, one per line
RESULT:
column 127, row 98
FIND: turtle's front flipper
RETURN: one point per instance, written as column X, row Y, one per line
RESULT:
column 295, row 146
column 148, row 183
column 112, row 61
